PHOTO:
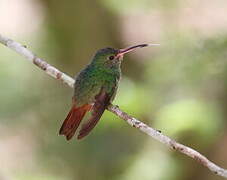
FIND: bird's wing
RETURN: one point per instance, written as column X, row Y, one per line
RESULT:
column 102, row 100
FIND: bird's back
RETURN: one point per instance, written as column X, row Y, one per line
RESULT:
column 89, row 82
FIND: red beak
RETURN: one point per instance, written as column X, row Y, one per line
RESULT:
column 121, row 52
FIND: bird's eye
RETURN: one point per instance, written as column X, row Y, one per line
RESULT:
column 111, row 57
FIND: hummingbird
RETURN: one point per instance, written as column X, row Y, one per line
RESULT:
column 94, row 89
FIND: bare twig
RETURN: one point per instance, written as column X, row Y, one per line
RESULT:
column 52, row 71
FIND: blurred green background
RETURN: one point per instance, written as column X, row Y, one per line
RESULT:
column 179, row 88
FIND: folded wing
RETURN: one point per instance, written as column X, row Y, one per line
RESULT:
column 102, row 100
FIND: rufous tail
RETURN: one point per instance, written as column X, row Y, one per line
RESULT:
column 73, row 120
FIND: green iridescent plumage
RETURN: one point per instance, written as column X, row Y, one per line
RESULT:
column 101, row 72
column 95, row 88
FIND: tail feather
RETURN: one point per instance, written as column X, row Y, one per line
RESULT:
column 73, row 120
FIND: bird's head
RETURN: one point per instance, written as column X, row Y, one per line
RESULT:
column 111, row 57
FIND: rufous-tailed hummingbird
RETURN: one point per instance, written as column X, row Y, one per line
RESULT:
column 94, row 89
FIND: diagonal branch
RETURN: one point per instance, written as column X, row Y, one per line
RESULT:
column 55, row 73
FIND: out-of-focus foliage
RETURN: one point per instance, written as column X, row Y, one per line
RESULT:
column 179, row 88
